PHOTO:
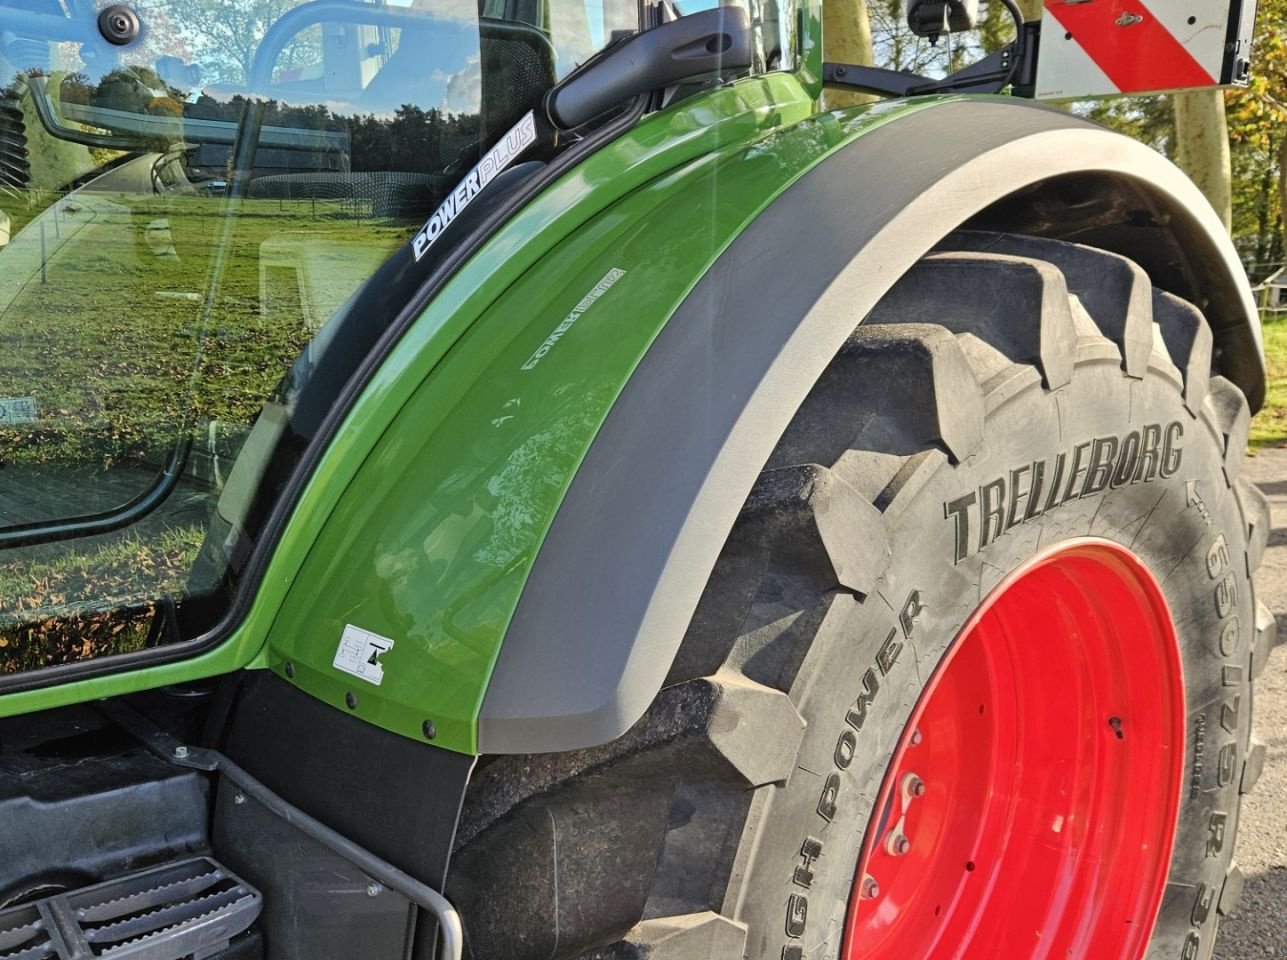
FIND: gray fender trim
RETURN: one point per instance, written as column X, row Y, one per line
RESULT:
column 620, row 573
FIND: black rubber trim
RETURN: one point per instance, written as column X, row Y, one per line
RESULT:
column 620, row 572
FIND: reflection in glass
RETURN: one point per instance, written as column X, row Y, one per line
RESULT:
column 182, row 224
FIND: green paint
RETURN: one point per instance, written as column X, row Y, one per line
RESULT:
column 422, row 519
column 432, row 541
column 660, row 143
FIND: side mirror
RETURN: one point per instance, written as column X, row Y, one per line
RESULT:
column 931, row 18
column 700, row 44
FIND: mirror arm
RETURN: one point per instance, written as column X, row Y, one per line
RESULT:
column 887, row 83
column 1014, row 66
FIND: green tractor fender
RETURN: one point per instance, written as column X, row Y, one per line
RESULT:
column 527, row 540
column 599, row 622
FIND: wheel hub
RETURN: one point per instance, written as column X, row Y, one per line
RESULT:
column 1030, row 806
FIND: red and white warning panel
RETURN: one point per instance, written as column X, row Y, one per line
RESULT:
column 1097, row 48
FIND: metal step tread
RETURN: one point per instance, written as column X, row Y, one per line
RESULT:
column 191, row 908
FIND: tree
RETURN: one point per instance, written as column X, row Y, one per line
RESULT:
column 995, row 26
column 1031, row 9
column 846, row 38
column 1257, row 206
column 1150, row 120
column 897, row 48
column 1186, row 128
column 224, row 36
column 1202, row 147
column 1258, row 136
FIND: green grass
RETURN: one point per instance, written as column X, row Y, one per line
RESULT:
column 114, row 567
column 66, row 605
column 114, row 343
column 1269, row 426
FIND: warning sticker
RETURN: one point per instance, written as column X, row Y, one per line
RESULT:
column 359, row 653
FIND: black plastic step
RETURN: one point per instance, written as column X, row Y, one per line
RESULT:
column 192, row 908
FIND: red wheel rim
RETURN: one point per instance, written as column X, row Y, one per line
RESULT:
column 1030, row 805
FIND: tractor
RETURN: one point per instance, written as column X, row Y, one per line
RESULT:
column 587, row 479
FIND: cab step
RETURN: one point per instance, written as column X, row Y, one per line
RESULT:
column 191, row 908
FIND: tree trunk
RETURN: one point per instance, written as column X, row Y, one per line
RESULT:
column 1202, row 147
column 1282, row 191
column 846, row 38
column 1265, row 229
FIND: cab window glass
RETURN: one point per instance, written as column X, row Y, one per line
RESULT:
column 183, row 220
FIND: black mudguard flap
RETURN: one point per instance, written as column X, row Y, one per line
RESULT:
column 398, row 798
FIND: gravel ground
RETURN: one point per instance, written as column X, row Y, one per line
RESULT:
column 1258, row 928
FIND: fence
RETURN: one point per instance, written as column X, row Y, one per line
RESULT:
column 1271, row 291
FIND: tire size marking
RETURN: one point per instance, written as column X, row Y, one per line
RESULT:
column 1216, row 828
column 1201, row 910
column 1220, row 569
column 1224, row 597
column 1033, row 489
column 1199, row 751
column 797, row 906
column 1193, row 499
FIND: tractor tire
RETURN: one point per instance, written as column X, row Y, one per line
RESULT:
column 971, row 678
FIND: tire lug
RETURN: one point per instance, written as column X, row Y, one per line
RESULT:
column 870, row 888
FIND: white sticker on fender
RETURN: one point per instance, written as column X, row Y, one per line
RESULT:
column 359, row 653
column 518, row 138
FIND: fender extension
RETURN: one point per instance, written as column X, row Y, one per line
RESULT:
column 621, row 571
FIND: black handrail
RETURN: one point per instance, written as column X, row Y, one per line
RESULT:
column 87, row 525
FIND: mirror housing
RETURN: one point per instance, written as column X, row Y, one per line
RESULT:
column 931, row 18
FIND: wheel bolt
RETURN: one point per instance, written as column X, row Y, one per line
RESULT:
column 898, row 844
column 916, row 738
column 870, row 888
column 914, row 785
